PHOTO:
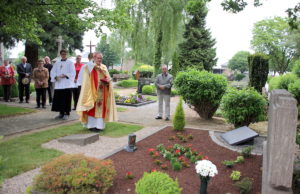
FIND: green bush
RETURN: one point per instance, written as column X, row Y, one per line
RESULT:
column 296, row 68
column 246, row 152
column 258, row 70
column 157, row 183
column 285, row 80
column 113, row 71
column 228, row 163
column 242, row 107
column 239, row 76
column 146, row 70
column 128, row 83
column 245, row 185
column 240, row 159
column 179, row 117
column 148, row 89
column 201, row 90
column 274, row 82
column 294, row 89
column 235, row 175
column 75, row 174
column 174, row 92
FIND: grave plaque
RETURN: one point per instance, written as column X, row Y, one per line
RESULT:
column 80, row 139
column 239, row 135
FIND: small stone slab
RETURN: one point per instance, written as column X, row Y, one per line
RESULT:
column 239, row 135
column 136, row 105
column 80, row 139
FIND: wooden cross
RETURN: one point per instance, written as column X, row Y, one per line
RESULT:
column 60, row 41
column 90, row 45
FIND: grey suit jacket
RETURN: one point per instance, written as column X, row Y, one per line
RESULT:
column 166, row 81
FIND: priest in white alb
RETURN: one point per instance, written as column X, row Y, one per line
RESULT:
column 63, row 76
column 96, row 103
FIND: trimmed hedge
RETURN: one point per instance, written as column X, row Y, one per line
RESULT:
column 128, row 83
column 242, row 107
column 202, row 90
column 258, row 70
column 283, row 81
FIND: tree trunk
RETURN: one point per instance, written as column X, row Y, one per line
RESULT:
column 32, row 53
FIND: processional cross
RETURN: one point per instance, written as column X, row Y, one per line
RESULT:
column 90, row 45
column 59, row 41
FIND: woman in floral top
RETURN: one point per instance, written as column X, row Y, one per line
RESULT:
column 40, row 77
column 7, row 79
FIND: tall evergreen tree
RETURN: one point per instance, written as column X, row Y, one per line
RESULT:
column 197, row 50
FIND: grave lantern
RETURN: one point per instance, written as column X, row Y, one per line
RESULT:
column 131, row 143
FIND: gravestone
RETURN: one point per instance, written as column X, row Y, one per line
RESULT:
column 80, row 139
column 280, row 147
column 143, row 81
column 239, row 135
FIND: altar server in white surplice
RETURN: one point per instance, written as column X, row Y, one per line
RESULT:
column 63, row 75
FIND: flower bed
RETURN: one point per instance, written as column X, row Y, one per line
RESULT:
column 133, row 100
column 148, row 158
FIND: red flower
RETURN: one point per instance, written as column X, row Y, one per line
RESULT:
column 177, row 151
column 129, row 173
column 206, row 157
column 151, row 149
column 154, row 170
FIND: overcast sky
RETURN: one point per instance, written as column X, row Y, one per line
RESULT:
column 233, row 32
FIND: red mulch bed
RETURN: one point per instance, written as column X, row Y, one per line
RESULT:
column 140, row 161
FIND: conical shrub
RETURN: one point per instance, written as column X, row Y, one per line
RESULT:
column 179, row 117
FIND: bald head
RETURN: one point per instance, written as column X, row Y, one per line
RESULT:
column 98, row 58
column 23, row 59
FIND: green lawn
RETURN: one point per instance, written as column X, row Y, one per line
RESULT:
column 24, row 153
column 122, row 109
column 12, row 110
column 151, row 97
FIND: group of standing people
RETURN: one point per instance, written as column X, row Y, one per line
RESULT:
column 90, row 84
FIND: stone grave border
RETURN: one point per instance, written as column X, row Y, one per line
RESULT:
column 136, row 105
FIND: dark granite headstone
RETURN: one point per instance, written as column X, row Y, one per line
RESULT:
column 239, row 135
column 131, row 143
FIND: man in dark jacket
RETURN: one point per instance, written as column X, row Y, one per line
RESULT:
column 25, row 72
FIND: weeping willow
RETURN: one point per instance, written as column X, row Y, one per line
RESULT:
column 157, row 30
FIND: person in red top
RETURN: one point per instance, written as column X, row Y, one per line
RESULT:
column 7, row 79
column 76, row 90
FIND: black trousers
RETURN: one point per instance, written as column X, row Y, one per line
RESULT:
column 6, row 92
column 62, row 101
column 76, row 93
column 40, row 92
column 49, row 89
column 21, row 91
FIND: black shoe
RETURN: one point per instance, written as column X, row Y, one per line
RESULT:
column 158, row 117
column 27, row 101
column 60, row 116
column 167, row 119
column 43, row 107
column 74, row 109
column 93, row 129
column 37, row 107
column 20, row 101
